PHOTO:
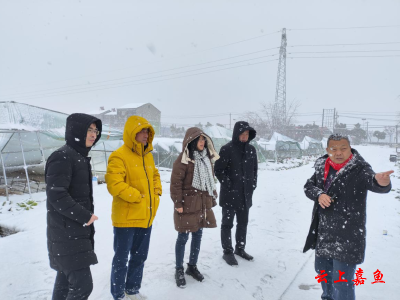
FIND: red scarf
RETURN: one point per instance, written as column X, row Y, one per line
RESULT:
column 329, row 163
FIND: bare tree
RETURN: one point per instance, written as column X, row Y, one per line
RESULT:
column 268, row 120
column 390, row 131
column 259, row 123
column 276, row 121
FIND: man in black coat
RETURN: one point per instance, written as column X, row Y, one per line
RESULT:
column 236, row 170
column 339, row 190
column 70, row 230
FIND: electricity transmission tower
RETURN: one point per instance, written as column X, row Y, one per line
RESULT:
column 279, row 109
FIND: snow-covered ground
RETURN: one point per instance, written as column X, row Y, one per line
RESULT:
column 278, row 226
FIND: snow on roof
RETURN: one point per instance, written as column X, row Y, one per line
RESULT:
column 280, row 137
column 266, row 145
column 324, row 142
column 108, row 145
column 98, row 112
column 112, row 113
column 271, row 144
column 307, row 141
column 21, row 116
column 168, row 143
column 132, row 105
column 218, row 132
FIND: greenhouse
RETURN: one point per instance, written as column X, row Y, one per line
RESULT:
column 28, row 135
column 166, row 150
column 312, row 146
column 280, row 147
column 324, row 142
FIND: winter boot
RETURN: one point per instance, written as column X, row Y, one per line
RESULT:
column 194, row 272
column 180, row 278
column 243, row 254
column 230, row 259
column 137, row 296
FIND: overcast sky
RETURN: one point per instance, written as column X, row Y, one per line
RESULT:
column 75, row 56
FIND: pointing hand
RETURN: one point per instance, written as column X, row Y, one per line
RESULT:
column 383, row 178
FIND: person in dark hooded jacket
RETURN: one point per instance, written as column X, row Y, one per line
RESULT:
column 339, row 190
column 236, row 170
column 70, row 230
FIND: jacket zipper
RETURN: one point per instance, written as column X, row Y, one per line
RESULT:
column 148, row 183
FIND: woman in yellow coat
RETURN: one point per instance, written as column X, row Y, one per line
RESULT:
column 134, row 182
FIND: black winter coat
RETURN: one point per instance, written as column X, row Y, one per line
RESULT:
column 339, row 230
column 70, row 199
column 236, row 170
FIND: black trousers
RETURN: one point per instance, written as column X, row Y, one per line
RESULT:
column 76, row 285
column 242, row 219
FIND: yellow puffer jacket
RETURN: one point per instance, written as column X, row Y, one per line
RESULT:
column 133, row 180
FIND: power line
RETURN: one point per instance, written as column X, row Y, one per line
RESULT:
column 106, row 88
column 375, row 119
column 352, row 44
column 366, row 113
column 83, row 89
column 344, row 51
column 242, row 41
column 168, row 59
column 358, row 56
column 150, row 73
column 343, row 28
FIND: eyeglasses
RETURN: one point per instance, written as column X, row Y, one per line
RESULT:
column 91, row 130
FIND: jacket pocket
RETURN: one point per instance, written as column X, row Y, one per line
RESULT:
column 187, row 222
column 210, row 221
column 76, row 230
column 137, row 210
column 209, row 202
column 191, row 204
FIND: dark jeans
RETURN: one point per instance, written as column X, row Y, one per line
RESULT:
column 194, row 247
column 77, row 285
column 134, row 242
column 338, row 290
column 242, row 219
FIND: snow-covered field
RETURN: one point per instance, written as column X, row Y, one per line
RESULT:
column 279, row 222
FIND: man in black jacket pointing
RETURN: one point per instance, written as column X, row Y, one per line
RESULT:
column 236, row 170
column 339, row 190
column 70, row 230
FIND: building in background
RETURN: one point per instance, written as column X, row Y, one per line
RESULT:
column 116, row 117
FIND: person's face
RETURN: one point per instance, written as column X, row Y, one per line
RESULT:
column 91, row 135
column 244, row 137
column 143, row 136
column 201, row 143
column 339, row 151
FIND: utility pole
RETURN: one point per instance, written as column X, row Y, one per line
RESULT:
column 397, row 142
column 367, row 133
column 230, row 121
column 329, row 118
column 279, row 118
column 334, row 119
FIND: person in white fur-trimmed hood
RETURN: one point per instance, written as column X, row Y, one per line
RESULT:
column 194, row 194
